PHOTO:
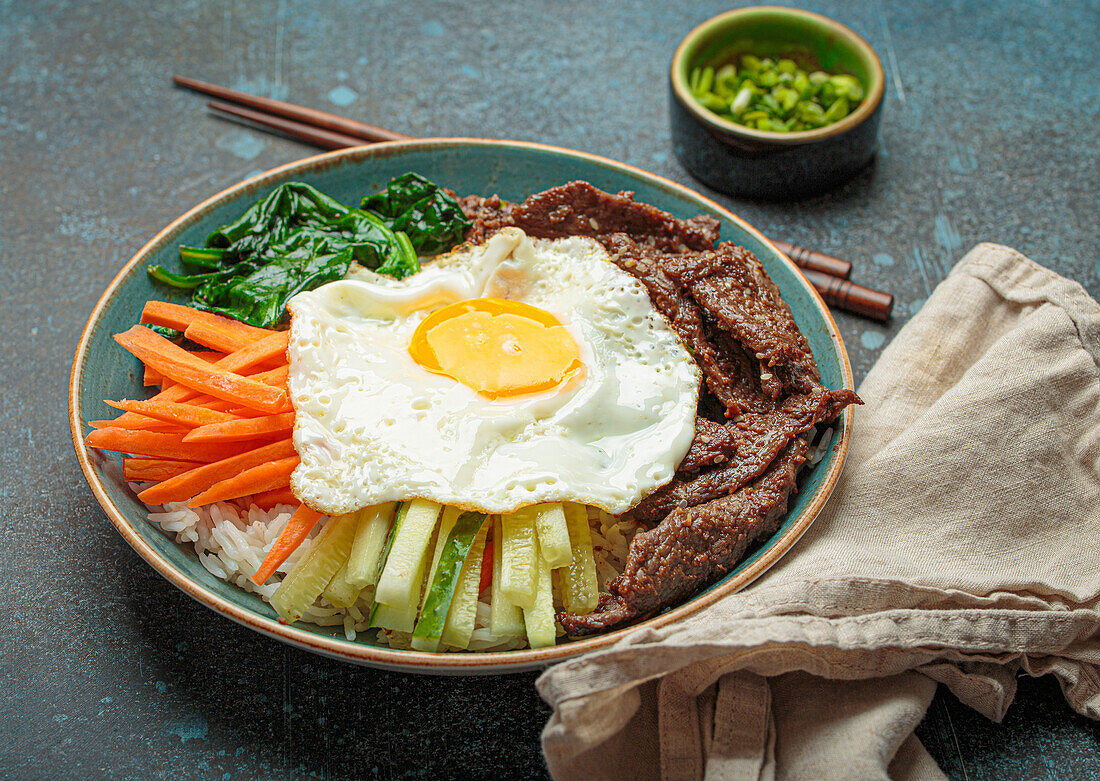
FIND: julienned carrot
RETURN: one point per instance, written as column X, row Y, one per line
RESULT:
column 176, row 363
column 156, row 444
column 268, row 499
column 218, row 337
column 189, row 484
column 186, row 415
column 180, row 317
column 263, row 477
column 238, row 429
column 297, row 529
column 135, row 422
column 155, row 468
column 151, row 377
column 270, row 347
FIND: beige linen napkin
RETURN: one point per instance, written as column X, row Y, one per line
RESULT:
column 961, row 546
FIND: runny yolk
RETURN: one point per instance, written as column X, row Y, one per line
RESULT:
column 497, row 347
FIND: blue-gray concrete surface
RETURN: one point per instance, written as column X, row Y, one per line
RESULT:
column 989, row 134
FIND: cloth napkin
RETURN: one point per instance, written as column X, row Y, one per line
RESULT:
column 960, row 546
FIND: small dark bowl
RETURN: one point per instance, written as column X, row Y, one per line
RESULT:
column 760, row 164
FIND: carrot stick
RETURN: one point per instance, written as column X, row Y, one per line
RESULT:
column 234, row 430
column 178, row 364
column 297, row 529
column 135, row 422
column 262, row 477
column 183, row 487
column 180, row 317
column 151, row 377
column 156, row 444
column 155, row 468
column 276, row 496
column 186, row 415
column 218, row 337
column 268, row 348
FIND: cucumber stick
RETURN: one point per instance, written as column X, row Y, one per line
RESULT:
column 447, row 522
column 452, row 555
column 553, row 534
column 399, row 583
column 579, row 590
column 309, row 577
column 518, row 566
column 463, row 612
column 539, row 618
column 341, row 592
column 401, row 619
column 505, row 618
column 366, row 551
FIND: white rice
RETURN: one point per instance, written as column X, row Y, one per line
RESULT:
column 232, row 538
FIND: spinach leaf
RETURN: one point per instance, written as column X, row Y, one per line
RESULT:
column 260, row 296
column 297, row 238
column 428, row 215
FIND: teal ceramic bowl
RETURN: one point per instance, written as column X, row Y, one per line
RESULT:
column 101, row 370
column 755, row 163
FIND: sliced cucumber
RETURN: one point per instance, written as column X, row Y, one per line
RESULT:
column 505, row 618
column 401, row 619
column 579, row 590
column 452, row 556
column 447, row 523
column 518, row 569
column 399, row 583
column 553, row 534
column 463, row 612
column 366, row 551
column 339, row 592
column 309, row 577
column 539, row 618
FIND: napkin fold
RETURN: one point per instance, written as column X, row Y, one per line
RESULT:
column 960, row 546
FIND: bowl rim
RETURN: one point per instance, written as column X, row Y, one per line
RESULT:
column 863, row 112
column 497, row 662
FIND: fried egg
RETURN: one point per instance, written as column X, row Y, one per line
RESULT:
column 506, row 374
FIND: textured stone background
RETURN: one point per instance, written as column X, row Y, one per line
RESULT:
column 989, row 134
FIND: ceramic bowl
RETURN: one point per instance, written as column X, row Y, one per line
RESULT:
column 102, row 370
column 760, row 164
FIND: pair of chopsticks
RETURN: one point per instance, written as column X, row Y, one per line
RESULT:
column 827, row 274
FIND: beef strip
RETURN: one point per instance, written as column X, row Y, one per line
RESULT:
column 692, row 547
column 730, row 373
column 487, row 214
column 730, row 285
column 714, row 443
column 579, row 209
column 733, row 484
column 742, row 451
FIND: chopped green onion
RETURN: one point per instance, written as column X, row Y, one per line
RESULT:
column 774, row 96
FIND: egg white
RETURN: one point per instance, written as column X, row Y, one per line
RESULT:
column 373, row 426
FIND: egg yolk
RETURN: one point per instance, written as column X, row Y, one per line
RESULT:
column 497, row 347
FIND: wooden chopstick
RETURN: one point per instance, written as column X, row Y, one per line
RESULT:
column 307, row 116
column 827, row 274
column 817, row 261
column 326, row 139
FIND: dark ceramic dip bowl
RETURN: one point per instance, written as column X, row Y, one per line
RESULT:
column 761, row 164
